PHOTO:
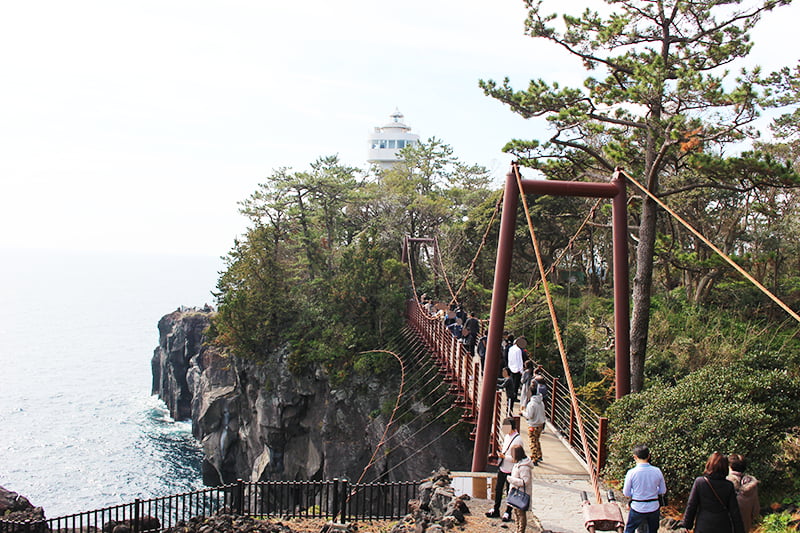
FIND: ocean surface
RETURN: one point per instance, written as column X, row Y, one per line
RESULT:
column 79, row 429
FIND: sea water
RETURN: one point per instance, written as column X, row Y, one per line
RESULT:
column 79, row 429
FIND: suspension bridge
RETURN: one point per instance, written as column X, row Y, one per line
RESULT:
column 574, row 442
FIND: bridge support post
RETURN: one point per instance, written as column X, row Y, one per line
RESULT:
column 614, row 190
column 602, row 436
column 497, row 319
column 622, row 333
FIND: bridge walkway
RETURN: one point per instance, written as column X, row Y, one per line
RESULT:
column 558, row 481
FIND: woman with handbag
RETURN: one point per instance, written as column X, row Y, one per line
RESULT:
column 519, row 497
column 712, row 505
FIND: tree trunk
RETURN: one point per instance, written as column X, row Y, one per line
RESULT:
column 642, row 288
column 704, row 286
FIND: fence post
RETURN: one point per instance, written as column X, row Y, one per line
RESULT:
column 553, row 394
column 571, row 439
column 136, row 515
column 344, row 495
column 240, row 497
column 335, row 502
column 475, row 380
column 602, row 435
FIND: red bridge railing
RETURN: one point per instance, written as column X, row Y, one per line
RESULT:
column 456, row 364
column 465, row 377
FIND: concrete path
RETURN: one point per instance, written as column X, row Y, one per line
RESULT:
column 557, row 485
column 558, row 481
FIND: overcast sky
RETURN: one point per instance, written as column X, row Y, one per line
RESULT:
column 138, row 126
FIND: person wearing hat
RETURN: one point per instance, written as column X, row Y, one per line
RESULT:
column 516, row 361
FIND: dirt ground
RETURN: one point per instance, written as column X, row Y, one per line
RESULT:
column 475, row 523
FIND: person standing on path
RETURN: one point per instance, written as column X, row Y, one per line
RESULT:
column 521, row 478
column 534, row 414
column 511, row 439
column 746, row 490
column 712, row 506
column 644, row 483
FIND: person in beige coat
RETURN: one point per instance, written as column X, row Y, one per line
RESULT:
column 520, row 478
column 746, row 490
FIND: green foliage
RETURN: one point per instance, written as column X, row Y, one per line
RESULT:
column 778, row 523
column 686, row 337
column 736, row 408
column 251, row 316
column 373, row 363
column 659, row 101
column 319, row 274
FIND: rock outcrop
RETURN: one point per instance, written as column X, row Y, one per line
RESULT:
column 437, row 509
column 259, row 421
column 17, row 508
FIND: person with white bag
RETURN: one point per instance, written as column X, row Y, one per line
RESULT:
column 520, row 479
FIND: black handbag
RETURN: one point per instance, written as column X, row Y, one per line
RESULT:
column 519, row 498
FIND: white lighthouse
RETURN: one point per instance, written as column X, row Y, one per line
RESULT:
column 386, row 141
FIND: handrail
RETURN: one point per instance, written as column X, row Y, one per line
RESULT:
column 560, row 413
column 456, row 365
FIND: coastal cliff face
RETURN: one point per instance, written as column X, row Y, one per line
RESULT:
column 258, row 421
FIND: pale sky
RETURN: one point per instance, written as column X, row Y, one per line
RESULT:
column 138, row 126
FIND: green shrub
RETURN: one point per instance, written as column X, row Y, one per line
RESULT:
column 728, row 409
column 777, row 523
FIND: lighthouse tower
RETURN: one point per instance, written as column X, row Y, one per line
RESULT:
column 386, row 141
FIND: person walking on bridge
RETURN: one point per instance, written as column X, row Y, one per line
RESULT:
column 644, row 483
column 472, row 326
column 534, row 414
column 516, row 361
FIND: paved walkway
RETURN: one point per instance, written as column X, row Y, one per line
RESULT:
column 558, row 481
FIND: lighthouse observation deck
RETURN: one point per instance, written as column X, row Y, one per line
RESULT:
column 386, row 141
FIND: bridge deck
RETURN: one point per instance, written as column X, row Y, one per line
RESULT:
column 558, row 459
column 558, row 481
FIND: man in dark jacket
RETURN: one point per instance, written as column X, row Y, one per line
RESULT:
column 473, row 327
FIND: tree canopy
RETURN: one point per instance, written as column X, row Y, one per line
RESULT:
column 659, row 102
column 319, row 269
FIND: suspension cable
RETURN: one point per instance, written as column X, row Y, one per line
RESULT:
column 445, row 432
column 557, row 331
column 414, row 290
column 481, row 245
column 391, row 417
column 558, row 259
column 711, row 245
column 437, row 417
column 438, row 254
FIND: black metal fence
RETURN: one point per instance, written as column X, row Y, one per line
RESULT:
column 336, row 499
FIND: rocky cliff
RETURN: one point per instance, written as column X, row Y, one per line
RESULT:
column 17, row 508
column 258, row 421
